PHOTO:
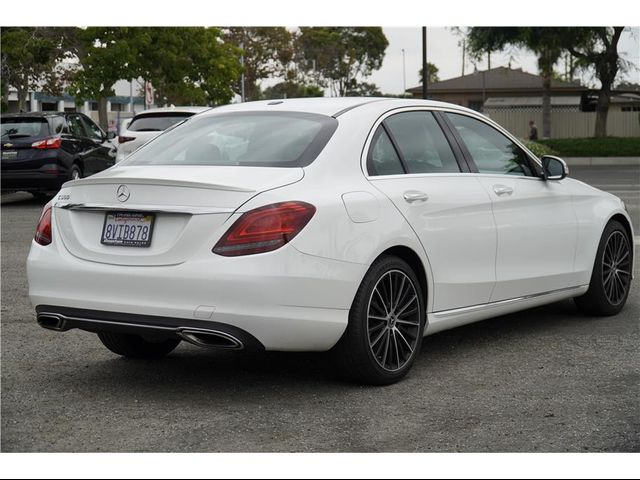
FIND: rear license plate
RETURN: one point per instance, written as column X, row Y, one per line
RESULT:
column 9, row 154
column 127, row 229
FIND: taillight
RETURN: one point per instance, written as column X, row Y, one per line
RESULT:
column 122, row 139
column 47, row 143
column 43, row 230
column 265, row 229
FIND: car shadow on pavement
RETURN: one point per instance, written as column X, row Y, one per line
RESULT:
column 192, row 370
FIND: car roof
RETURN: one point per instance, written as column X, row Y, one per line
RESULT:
column 33, row 114
column 331, row 106
column 188, row 109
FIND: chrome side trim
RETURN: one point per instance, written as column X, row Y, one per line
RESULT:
column 488, row 306
column 192, row 210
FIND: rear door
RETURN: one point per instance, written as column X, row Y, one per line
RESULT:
column 411, row 161
column 535, row 219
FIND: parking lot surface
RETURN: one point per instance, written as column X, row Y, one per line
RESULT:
column 546, row 379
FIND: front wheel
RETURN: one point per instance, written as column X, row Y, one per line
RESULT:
column 611, row 276
column 76, row 172
column 386, row 323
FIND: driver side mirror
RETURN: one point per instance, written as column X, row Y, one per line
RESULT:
column 553, row 168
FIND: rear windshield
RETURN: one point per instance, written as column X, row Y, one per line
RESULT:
column 157, row 122
column 24, row 127
column 257, row 139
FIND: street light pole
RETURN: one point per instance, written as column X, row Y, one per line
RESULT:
column 404, row 75
column 424, row 62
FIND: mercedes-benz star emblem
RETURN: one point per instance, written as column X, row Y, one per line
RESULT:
column 123, row 193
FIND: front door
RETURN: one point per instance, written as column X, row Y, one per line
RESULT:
column 535, row 219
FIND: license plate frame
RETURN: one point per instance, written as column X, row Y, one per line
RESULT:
column 9, row 154
column 125, row 237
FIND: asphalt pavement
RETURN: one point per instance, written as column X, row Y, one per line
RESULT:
column 543, row 380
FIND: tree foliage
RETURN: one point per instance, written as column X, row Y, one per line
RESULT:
column 432, row 73
column 29, row 59
column 266, row 51
column 339, row 57
column 291, row 89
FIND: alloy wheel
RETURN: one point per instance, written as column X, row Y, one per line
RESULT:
column 616, row 267
column 393, row 320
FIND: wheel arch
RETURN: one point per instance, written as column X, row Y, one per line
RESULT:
column 626, row 223
column 415, row 262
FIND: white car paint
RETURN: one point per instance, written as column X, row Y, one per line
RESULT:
column 142, row 137
column 483, row 255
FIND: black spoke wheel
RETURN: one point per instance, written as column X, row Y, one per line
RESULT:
column 393, row 320
column 386, row 323
column 611, row 277
column 616, row 267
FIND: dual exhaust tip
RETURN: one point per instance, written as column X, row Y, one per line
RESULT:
column 199, row 337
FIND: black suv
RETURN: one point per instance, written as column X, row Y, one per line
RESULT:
column 42, row 150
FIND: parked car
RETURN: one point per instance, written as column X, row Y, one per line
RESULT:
column 352, row 225
column 149, row 124
column 43, row 150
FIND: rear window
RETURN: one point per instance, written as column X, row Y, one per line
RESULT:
column 24, row 127
column 257, row 139
column 157, row 122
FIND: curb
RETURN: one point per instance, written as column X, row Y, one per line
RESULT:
column 602, row 161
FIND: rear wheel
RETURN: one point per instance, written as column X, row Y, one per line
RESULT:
column 136, row 346
column 76, row 172
column 386, row 322
column 611, row 276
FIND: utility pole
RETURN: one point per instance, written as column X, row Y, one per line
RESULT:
column 424, row 63
column 404, row 75
column 464, row 51
column 242, row 74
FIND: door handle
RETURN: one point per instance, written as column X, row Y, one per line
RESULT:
column 411, row 196
column 502, row 190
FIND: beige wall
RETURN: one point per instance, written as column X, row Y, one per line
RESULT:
column 566, row 123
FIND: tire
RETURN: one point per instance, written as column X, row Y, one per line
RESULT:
column 135, row 346
column 379, row 348
column 75, row 173
column 611, row 275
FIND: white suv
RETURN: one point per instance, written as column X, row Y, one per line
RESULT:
column 149, row 124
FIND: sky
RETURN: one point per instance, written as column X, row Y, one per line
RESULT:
column 444, row 51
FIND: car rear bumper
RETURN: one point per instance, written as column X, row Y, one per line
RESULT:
column 285, row 299
column 33, row 180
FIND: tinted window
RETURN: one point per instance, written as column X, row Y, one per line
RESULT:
column 58, row 125
column 491, row 151
column 281, row 139
column 382, row 158
column 156, row 122
column 75, row 126
column 93, row 131
column 423, row 146
column 20, row 127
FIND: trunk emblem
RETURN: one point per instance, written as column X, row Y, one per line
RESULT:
column 8, row 145
column 123, row 193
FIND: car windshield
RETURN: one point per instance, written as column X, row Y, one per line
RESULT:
column 24, row 127
column 262, row 139
column 157, row 122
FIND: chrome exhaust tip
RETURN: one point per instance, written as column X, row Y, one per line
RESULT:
column 51, row 321
column 211, row 339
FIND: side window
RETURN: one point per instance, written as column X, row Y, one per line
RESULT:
column 382, row 158
column 422, row 143
column 75, row 127
column 57, row 125
column 491, row 151
column 93, row 131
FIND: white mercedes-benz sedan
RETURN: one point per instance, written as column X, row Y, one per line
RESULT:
column 356, row 225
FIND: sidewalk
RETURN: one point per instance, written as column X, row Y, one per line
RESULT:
column 602, row 161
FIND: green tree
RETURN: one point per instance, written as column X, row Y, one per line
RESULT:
column 266, row 51
column 291, row 89
column 192, row 67
column 338, row 56
column 29, row 58
column 546, row 42
column 597, row 48
column 106, row 55
column 363, row 89
column 432, row 73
